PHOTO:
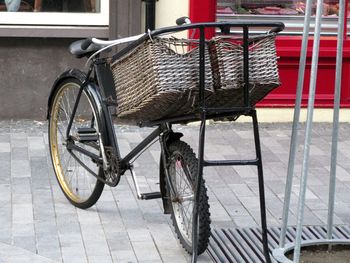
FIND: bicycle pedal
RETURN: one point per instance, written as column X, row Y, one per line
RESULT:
column 87, row 135
column 153, row 195
column 86, row 130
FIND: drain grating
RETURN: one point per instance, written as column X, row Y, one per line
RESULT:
column 245, row 245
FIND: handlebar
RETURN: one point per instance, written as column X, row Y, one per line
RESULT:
column 86, row 43
column 139, row 39
column 224, row 27
column 275, row 26
column 183, row 20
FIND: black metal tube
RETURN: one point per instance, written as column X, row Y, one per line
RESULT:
column 75, row 107
column 230, row 162
column 246, row 65
column 261, row 188
column 150, row 15
column 142, row 145
column 198, row 179
column 72, row 146
column 77, row 101
column 202, row 67
column 276, row 27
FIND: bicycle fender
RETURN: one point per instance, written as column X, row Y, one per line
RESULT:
column 71, row 73
column 173, row 136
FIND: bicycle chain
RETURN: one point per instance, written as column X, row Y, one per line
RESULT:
column 114, row 171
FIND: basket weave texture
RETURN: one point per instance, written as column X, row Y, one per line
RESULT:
column 157, row 79
column 227, row 67
column 160, row 78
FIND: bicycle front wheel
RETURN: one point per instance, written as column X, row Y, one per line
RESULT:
column 80, row 187
column 182, row 170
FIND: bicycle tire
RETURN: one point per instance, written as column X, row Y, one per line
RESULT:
column 183, row 157
column 79, row 186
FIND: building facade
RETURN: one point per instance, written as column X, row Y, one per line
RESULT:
column 34, row 40
column 291, row 12
column 35, row 35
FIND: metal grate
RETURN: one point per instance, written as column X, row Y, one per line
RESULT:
column 245, row 245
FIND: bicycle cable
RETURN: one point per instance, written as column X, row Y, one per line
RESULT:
column 146, row 148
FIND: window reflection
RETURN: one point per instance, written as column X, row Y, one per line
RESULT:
column 77, row 6
column 279, row 7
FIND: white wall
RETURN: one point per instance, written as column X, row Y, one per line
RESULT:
column 167, row 11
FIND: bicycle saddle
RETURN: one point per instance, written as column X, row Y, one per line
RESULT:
column 79, row 48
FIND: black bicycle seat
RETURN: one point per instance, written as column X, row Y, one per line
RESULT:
column 77, row 50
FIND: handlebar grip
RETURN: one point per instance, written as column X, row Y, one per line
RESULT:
column 86, row 43
column 277, row 29
column 183, row 20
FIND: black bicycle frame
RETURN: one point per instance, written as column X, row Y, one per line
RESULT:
column 202, row 115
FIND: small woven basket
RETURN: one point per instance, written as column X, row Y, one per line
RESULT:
column 227, row 66
column 159, row 78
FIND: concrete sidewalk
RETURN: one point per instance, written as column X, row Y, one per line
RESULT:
column 38, row 224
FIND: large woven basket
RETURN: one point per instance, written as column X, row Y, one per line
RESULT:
column 158, row 79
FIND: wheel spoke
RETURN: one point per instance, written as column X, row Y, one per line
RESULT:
column 182, row 172
column 72, row 176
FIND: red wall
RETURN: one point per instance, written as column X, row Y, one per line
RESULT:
column 288, row 49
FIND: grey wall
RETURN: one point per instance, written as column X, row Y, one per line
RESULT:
column 29, row 66
column 28, row 69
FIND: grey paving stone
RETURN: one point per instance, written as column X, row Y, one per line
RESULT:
column 74, row 254
column 5, row 147
column 34, row 213
column 49, row 246
column 19, row 140
column 145, row 251
column 12, row 254
column 25, row 242
column 20, row 168
column 4, row 137
column 19, row 153
column 125, row 256
column 6, row 233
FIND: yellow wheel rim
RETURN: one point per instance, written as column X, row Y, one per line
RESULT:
column 75, row 181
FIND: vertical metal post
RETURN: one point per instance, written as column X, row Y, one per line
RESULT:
column 246, row 66
column 308, row 130
column 261, row 188
column 200, row 144
column 294, row 137
column 337, row 90
column 150, row 15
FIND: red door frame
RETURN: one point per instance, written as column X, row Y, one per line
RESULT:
column 288, row 49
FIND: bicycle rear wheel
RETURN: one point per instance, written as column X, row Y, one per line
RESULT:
column 182, row 170
column 80, row 187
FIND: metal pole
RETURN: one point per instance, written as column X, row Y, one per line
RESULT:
column 337, row 90
column 308, row 130
column 294, row 137
column 150, row 15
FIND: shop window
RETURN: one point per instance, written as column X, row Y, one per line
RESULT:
column 291, row 12
column 54, row 12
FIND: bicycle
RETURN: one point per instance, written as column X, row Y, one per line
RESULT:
column 84, row 148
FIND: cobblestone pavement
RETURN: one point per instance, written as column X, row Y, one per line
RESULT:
column 37, row 223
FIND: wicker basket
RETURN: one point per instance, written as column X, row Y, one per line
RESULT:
column 159, row 78
column 227, row 66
